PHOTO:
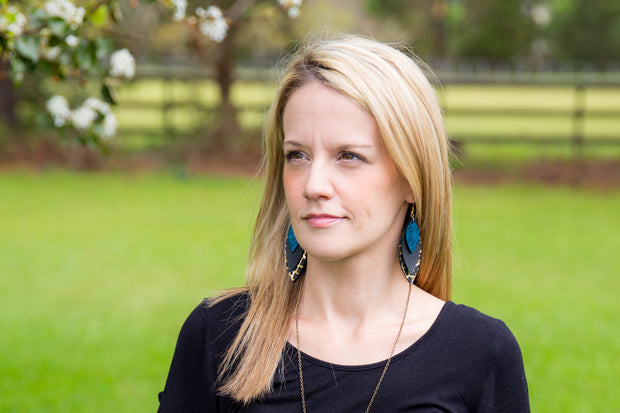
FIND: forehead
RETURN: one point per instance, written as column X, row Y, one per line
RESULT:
column 318, row 110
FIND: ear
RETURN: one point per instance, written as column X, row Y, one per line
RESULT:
column 409, row 196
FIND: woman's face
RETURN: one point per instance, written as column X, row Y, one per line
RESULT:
column 344, row 193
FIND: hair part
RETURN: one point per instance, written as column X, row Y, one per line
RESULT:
column 394, row 90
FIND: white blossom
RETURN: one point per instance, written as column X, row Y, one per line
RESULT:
column 179, row 9
column 83, row 117
column 92, row 110
column 212, row 23
column 108, row 126
column 58, row 107
column 541, row 15
column 291, row 6
column 97, row 105
column 72, row 41
column 67, row 11
column 293, row 12
column 52, row 53
column 122, row 63
column 16, row 27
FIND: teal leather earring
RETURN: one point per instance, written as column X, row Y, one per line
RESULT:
column 410, row 247
column 295, row 256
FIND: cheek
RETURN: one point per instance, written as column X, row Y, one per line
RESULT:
column 292, row 187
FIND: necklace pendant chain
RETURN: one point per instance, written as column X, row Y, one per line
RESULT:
column 385, row 368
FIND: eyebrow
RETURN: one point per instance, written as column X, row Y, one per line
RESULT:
column 294, row 143
column 344, row 147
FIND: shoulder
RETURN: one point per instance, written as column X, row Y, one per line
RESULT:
column 473, row 321
column 216, row 319
column 478, row 332
column 204, row 337
column 487, row 346
column 227, row 307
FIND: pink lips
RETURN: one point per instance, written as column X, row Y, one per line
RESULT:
column 321, row 220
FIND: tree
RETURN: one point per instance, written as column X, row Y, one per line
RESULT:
column 493, row 29
column 423, row 19
column 70, row 45
column 225, row 31
column 587, row 31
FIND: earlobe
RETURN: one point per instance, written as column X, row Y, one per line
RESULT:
column 409, row 197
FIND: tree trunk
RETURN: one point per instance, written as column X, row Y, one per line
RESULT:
column 8, row 99
column 227, row 127
column 439, row 12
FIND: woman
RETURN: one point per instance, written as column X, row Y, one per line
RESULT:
column 346, row 305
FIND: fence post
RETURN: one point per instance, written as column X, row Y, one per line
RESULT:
column 167, row 105
column 578, row 119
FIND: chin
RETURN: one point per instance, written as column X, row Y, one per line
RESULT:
column 328, row 253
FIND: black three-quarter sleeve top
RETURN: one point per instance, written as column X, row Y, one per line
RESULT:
column 466, row 362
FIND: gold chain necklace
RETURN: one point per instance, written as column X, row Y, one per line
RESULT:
column 387, row 363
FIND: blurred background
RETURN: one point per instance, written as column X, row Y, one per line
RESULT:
column 107, row 243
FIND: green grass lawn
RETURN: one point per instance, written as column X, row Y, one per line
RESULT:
column 98, row 271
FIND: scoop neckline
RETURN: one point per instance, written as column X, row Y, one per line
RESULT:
column 379, row 364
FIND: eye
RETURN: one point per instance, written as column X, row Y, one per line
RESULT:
column 293, row 156
column 350, row 156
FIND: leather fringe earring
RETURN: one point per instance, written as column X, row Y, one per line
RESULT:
column 295, row 256
column 410, row 247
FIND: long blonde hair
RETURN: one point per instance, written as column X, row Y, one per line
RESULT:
column 393, row 89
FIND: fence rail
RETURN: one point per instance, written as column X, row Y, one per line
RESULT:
column 576, row 111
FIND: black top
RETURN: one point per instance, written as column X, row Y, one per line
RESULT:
column 466, row 362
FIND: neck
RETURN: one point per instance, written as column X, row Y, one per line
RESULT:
column 357, row 290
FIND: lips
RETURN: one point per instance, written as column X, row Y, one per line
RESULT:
column 322, row 220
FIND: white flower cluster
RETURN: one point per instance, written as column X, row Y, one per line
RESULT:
column 67, row 11
column 291, row 6
column 58, row 107
column 13, row 22
column 212, row 23
column 541, row 15
column 109, row 123
column 85, row 116
column 179, row 7
column 72, row 41
column 122, row 64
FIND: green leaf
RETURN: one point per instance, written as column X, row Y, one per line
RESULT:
column 109, row 94
column 43, row 120
column 58, row 27
column 116, row 13
column 56, row 41
column 65, row 59
column 28, row 47
column 38, row 17
column 83, row 57
column 18, row 68
column 100, row 17
column 103, row 47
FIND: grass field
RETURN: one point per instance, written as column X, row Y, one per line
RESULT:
column 98, row 271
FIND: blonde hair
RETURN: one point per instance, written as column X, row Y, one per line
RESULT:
column 393, row 89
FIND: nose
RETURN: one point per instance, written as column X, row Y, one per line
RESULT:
column 318, row 183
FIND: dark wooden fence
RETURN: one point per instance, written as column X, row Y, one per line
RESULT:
column 576, row 111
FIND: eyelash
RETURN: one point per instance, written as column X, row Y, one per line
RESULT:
column 354, row 156
column 293, row 156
